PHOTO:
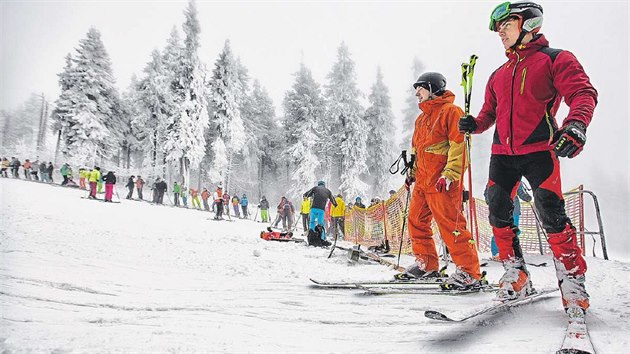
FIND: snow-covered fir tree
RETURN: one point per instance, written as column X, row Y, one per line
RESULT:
column 411, row 110
column 155, row 95
column 262, row 137
column 380, row 143
column 60, row 117
column 304, row 108
column 132, row 108
column 347, row 132
column 91, row 122
column 185, row 142
column 229, row 130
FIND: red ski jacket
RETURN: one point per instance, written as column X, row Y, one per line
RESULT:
column 523, row 95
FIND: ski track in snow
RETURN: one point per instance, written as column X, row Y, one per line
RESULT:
column 82, row 276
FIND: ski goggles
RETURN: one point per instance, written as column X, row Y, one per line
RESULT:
column 499, row 14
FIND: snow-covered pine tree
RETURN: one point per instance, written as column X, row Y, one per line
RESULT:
column 155, row 95
column 60, row 117
column 303, row 109
column 95, row 103
column 226, row 119
column 263, row 135
column 411, row 110
column 347, row 132
column 380, row 143
column 132, row 108
column 185, row 141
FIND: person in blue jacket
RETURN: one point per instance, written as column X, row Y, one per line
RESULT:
column 244, row 204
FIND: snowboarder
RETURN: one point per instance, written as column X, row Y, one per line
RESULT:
column 129, row 185
column 439, row 147
column 522, row 98
column 110, row 182
column 320, row 195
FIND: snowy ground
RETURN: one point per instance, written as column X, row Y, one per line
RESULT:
column 83, row 276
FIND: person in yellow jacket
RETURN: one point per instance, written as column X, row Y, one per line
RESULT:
column 305, row 209
column 439, row 165
column 338, row 213
column 93, row 178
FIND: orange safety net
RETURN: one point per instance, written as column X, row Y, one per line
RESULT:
column 384, row 220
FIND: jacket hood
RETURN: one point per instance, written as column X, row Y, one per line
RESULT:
column 437, row 102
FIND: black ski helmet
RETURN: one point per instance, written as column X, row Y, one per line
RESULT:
column 433, row 82
column 530, row 15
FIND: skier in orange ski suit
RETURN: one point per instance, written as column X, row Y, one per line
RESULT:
column 439, row 148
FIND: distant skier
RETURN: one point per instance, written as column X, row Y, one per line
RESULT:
column 176, row 191
column 244, row 203
column 320, row 195
column 305, row 209
column 264, row 209
column 110, row 182
column 95, row 175
column 129, row 185
column 139, row 186
column 218, row 203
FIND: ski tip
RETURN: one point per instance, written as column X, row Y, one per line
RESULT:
column 435, row 315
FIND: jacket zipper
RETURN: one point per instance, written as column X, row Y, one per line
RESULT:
column 511, row 137
column 523, row 73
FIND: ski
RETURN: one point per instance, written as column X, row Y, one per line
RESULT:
column 427, row 290
column 376, row 283
column 100, row 200
column 497, row 306
column 486, row 260
column 577, row 340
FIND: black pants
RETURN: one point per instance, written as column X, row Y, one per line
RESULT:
column 542, row 171
column 130, row 194
column 305, row 221
column 140, row 193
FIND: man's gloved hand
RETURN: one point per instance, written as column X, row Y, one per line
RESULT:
column 409, row 181
column 569, row 141
column 467, row 124
column 443, row 184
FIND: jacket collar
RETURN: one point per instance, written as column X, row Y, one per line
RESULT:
column 435, row 104
column 524, row 50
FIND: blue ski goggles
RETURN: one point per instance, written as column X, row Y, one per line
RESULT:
column 499, row 14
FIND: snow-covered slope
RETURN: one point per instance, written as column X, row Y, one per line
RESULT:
column 83, row 276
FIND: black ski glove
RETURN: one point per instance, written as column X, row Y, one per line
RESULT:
column 467, row 124
column 569, row 141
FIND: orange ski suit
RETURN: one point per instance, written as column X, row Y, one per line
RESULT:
column 439, row 149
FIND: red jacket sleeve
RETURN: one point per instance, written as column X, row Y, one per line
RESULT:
column 487, row 116
column 575, row 87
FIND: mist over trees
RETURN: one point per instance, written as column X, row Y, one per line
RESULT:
column 204, row 126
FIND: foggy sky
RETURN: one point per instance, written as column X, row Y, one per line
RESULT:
column 271, row 38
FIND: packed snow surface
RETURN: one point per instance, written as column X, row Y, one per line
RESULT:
column 78, row 275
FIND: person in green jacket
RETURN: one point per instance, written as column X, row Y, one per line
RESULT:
column 99, row 184
column 184, row 195
column 176, row 191
column 64, row 173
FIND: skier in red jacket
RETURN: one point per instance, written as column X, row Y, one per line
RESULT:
column 521, row 100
